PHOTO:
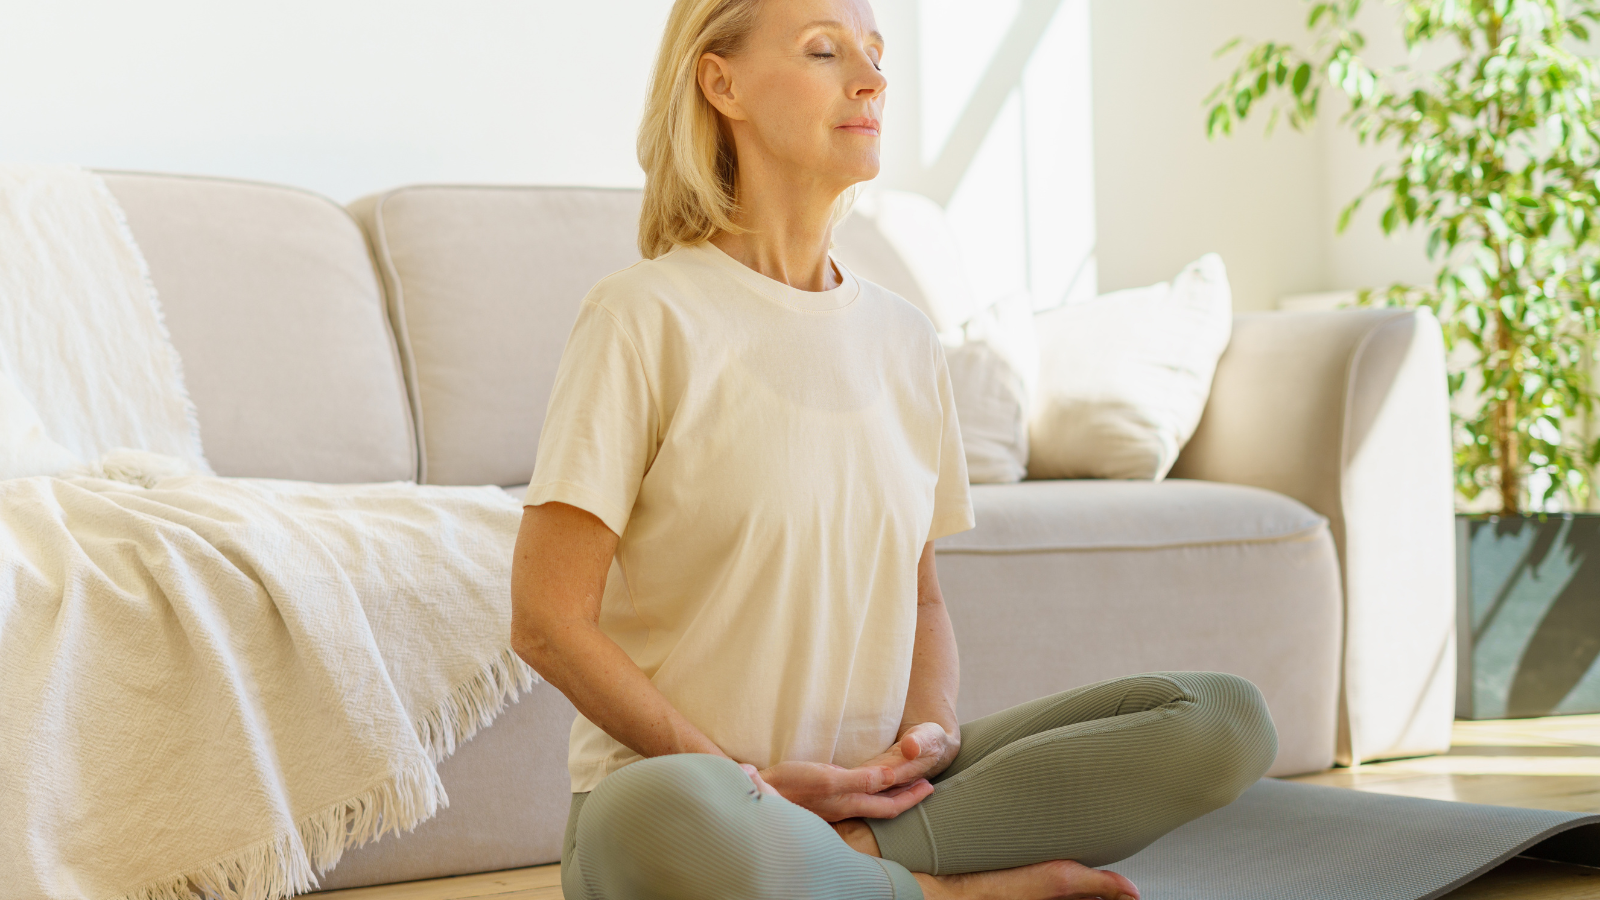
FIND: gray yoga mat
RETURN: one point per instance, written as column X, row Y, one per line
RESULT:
column 1286, row 841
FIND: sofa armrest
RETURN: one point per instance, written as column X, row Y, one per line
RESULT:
column 1348, row 412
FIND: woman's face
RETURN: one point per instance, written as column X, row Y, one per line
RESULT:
column 805, row 92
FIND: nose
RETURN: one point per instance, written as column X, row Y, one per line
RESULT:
column 871, row 81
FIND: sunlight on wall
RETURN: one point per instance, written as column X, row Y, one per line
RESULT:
column 989, row 103
column 957, row 41
column 1004, row 132
column 343, row 98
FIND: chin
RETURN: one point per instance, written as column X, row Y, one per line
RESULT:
column 855, row 171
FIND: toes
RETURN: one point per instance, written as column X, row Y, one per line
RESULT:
column 1075, row 881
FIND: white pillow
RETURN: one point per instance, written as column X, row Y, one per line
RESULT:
column 25, row 449
column 1124, row 378
column 903, row 242
column 994, row 362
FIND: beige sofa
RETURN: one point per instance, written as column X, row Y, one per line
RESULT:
column 1304, row 541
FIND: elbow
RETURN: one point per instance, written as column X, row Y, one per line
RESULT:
column 531, row 641
column 547, row 643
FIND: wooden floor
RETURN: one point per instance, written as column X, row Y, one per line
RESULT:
column 1543, row 763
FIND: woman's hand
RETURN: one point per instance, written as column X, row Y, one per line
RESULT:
column 835, row 793
column 922, row 751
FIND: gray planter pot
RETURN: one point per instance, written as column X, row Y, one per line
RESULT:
column 1527, row 615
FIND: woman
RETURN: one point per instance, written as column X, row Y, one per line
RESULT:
column 726, row 560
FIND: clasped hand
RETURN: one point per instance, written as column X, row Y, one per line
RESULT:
column 880, row 788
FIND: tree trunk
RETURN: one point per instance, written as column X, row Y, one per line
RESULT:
column 1508, row 448
column 1510, row 462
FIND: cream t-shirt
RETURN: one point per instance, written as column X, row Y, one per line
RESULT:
column 773, row 461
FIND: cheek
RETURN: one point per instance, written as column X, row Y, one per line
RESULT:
column 797, row 111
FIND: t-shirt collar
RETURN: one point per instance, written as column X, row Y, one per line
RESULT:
column 811, row 301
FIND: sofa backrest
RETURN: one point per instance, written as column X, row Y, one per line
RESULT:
column 484, row 284
column 273, row 304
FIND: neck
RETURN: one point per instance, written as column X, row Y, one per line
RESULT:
column 787, row 226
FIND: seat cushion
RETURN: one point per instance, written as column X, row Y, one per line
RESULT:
column 1101, row 515
column 1064, row 583
column 271, row 299
column 484, row 284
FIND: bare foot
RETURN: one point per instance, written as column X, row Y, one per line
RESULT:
column 1058, row 879
column 1054, row 880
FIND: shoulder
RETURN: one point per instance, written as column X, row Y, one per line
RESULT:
column 900, row 315
column 644, row 288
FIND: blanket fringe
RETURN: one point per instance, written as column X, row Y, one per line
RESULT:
column 274, row 868
column 287, row 864
column 398, row 804
column 282, row 866
column 474, row 704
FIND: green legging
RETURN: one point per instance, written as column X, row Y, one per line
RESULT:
column 1092, row 774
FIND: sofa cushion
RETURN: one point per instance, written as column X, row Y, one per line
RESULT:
column 484, row 284
column 271, row 299
column 1092, row 514
column 1064, row 583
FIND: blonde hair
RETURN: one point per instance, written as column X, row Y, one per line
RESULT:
column 690, row 168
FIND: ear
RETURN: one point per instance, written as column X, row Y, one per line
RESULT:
column 716, row 82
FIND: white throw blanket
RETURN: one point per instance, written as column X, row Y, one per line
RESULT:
column 207, row 684
column 226, row 682
column 81, row 332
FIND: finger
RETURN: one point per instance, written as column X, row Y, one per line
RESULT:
column 909, row 769
column 931, row 738
column 863, row 779
column 887, row 805
column 760, row 783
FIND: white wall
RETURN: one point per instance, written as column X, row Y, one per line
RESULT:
column 344, row 97
column 1363, row 256
column 1269, row 205
column 354, row 96
column 1065, row 136
column 989, row 113
column 1164, row 194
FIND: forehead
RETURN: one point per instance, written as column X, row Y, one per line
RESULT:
column 789, row 20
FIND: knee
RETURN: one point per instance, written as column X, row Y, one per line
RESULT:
column 683, row 788
column 1234, row 731
column 648, row 829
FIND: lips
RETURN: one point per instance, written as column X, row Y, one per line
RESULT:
column 861, row 125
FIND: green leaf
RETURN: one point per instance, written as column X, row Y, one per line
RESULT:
column 1302, row 78
column 1218, row 121
column 1346, row 213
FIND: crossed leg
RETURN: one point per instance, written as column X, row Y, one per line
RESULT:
column 1093, row 774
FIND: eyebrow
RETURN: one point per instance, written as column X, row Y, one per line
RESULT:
column 835, row 23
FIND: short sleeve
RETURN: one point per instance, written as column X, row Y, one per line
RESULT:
column 952, row 499
column 601, row 427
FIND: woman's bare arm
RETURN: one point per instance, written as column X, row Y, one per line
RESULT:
column 558, row 576
column 930, row 735
column 557, row 579
column 935, row 666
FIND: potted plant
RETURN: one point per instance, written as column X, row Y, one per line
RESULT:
column 1496, row 155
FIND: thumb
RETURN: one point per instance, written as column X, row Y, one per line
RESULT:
column 866, row 779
